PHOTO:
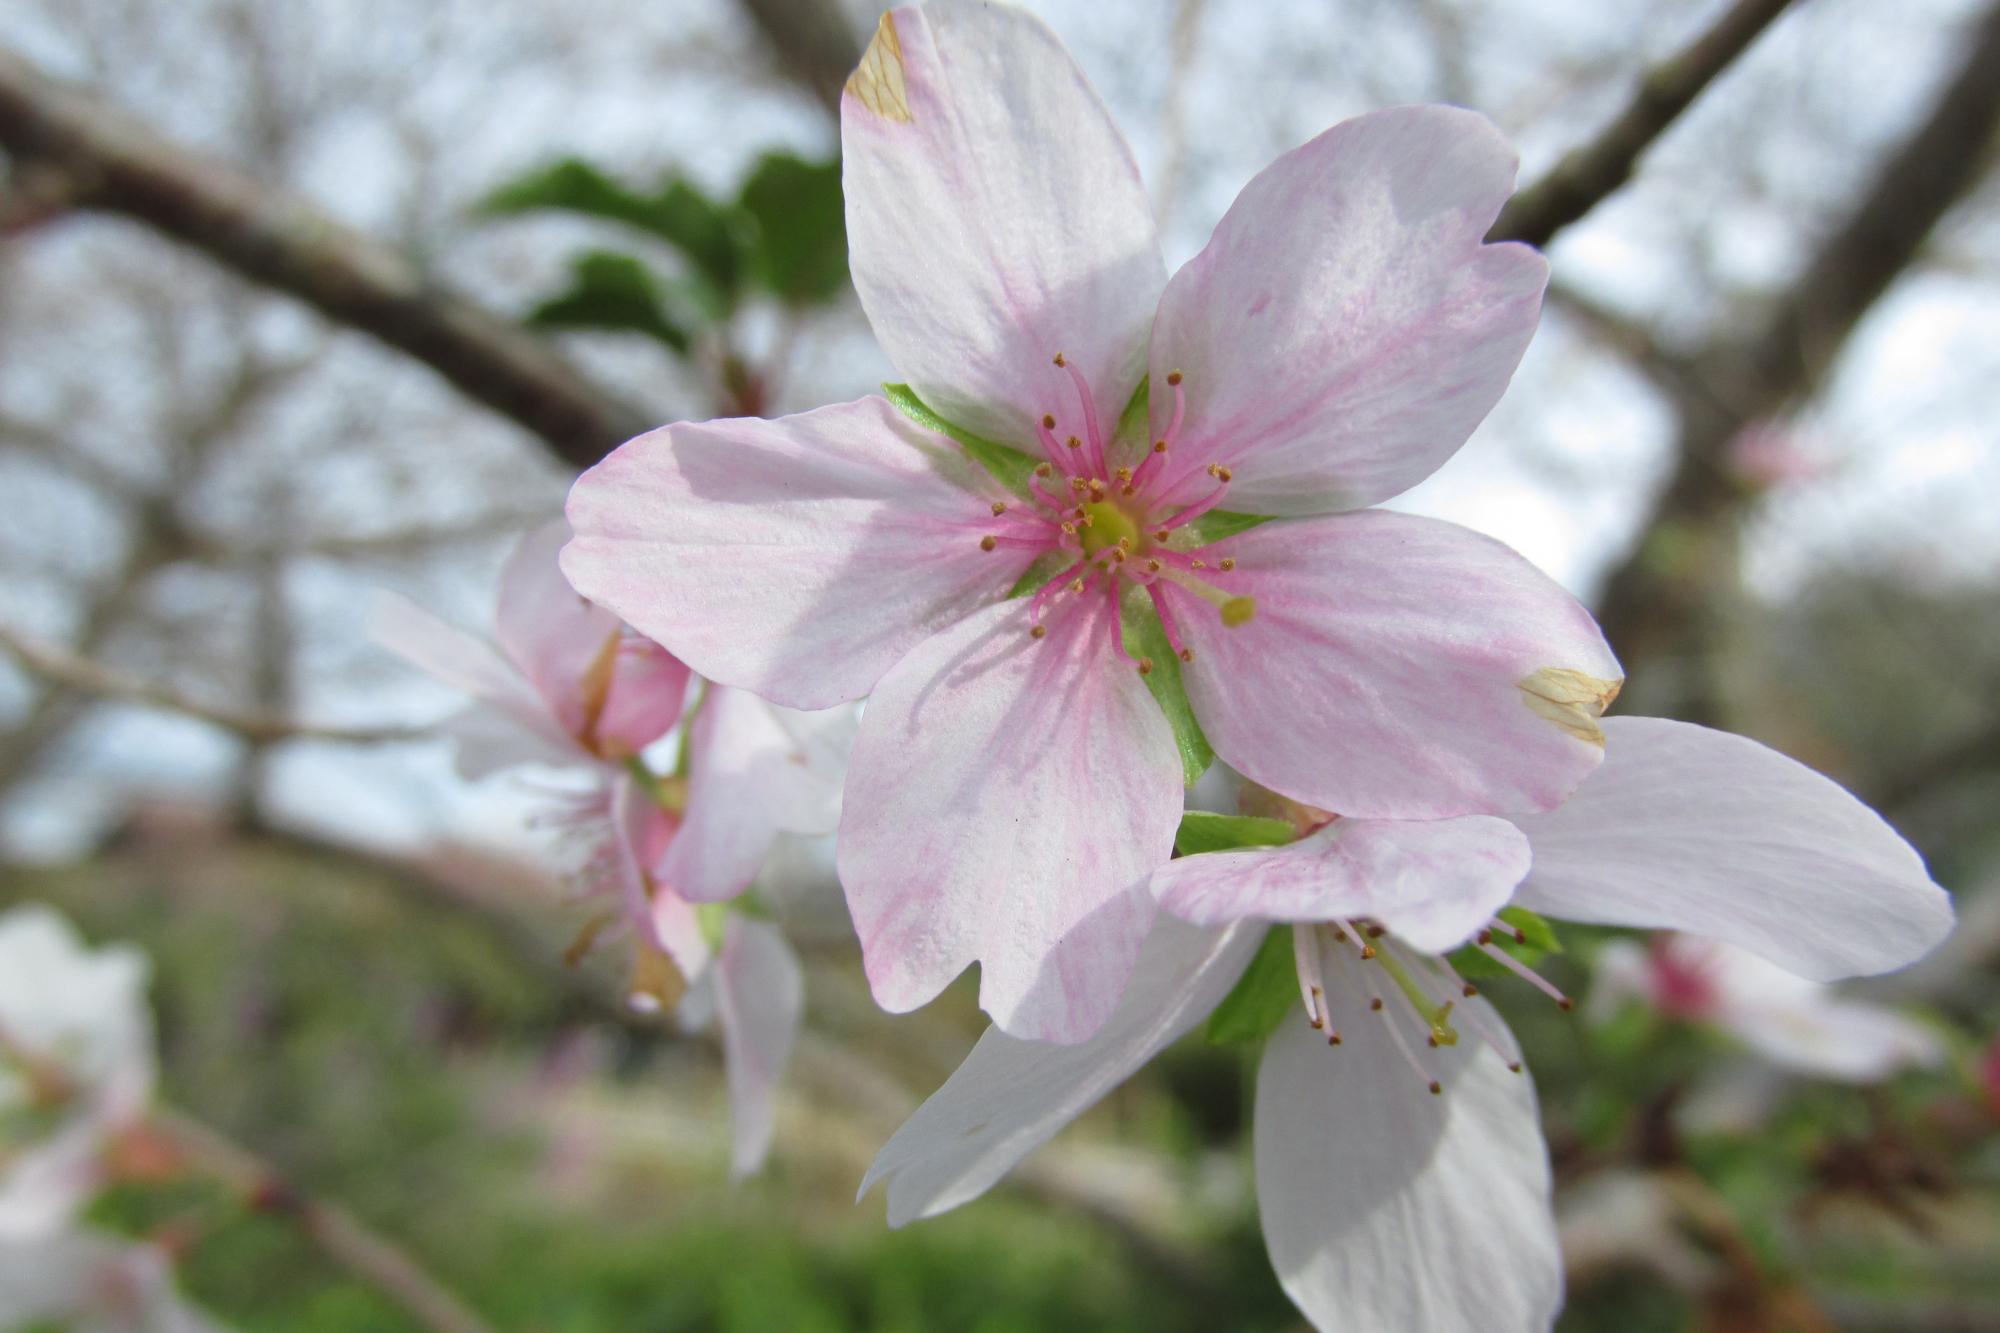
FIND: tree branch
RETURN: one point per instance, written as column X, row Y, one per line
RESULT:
column 114, row 163
column 369, row 1256
column 1593, row 171
column 1654, row 604
column 62, row 668
column 812, row 41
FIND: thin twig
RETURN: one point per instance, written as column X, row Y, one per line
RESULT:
column 1593, row 171
column 1654, row 610
column 368, row 1255
column 117, row 164
column 59, row 667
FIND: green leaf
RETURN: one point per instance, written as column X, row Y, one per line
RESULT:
column 611, row 291
column 1009, row 466
column 1266, row 991
column 713, row 238
column 800, row 254
column 1145, row 637
column 1203, row 831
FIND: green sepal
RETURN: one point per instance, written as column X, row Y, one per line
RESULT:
column 1541, row 935
column 1131, row 428
column 1009, row 466
column 1267, row 990
column 1203, row 831
column 1471, row 961
column 713, row 918
column 1145, row 636
column 1219, row 523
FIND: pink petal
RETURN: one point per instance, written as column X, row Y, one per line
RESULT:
column 1433, row 883
column 1011, row 1096
column 647, row 690
column 465, row 663
column 1684, row 828
column 1387, row 1208
column 1397, row 667
column 995, row 217
column 751, row 778
column 486, row 741
column 554, row 637
column 661, row 918
column 1345, row 329
column 1007, row 797
column 759, row 995
column 796, row 558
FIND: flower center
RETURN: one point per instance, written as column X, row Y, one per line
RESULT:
column 1358, row 961
column 1120, row 522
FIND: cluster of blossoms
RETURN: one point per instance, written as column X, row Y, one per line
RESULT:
column 1113, row 526
column 673, row 853
column 76, row 1083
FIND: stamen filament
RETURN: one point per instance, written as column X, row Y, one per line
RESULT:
column 1312, row 982
column 1523, row 971
column 1437, row 1017
column 1090, row 423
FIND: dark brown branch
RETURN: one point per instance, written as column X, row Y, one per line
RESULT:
column 66, row 670
column 116, row 164
column 813, row 43
column 1593, row 171
column 1655, row 602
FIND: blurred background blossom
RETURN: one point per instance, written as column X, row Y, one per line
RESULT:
column 1757, row 432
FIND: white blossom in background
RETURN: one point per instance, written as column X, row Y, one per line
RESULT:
column 76, row 1066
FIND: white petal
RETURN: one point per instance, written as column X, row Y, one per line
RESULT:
column 756, row 771
column 759, row 994
column 1345, row 329
column 995, row 218
column 1011, row 1096
column 1432, row 882
column 462, row 661
column 1685, row 828
column 1387, row 1208
column 1007, row 799
column 798, row 558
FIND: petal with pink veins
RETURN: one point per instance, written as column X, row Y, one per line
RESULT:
column 1425, row 671
column 796, row 558
column 1685, row 828
column 756, row 772
column 1006, row 799
column 643, row 698
column 759, row 995
column 995, row 217
column 1387, row 1208
column 1433, row 883
column 1345, row 329
column 1011, row 1096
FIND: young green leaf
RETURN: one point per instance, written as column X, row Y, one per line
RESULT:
column 800, row 255
column 611, row 291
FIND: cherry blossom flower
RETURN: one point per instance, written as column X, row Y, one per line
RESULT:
column 76, row 1067
column 1795, row 1023
column 92, row 1283
column 1020, row 619
column 1401, row 1175
column 572, row 686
